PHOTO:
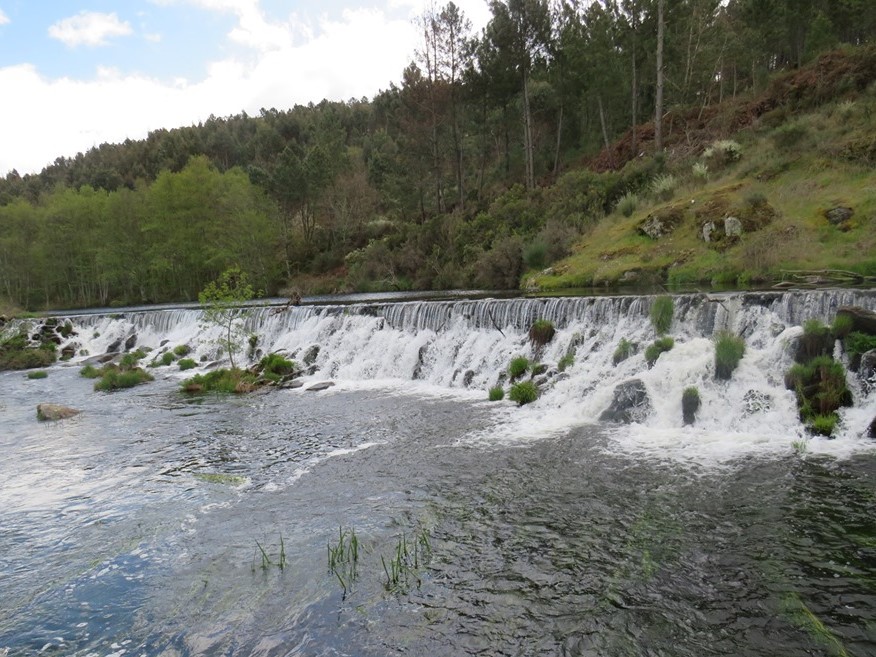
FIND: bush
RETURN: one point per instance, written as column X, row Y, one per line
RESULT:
column 729, row 349
column 277, row 365
column 496, row 393
column 37, row 374
column 624, row 350
column 518, row 367
column 182, row 350
column 661, row 314
column 113, row 378
column 541, row 332
column 723, row 152
column 663, row 186
column 627, row 204
column 659, row 346
column 690, row 404
column 700, row 171
column 225, row 380
column 186, row 364
column 535, row 255
column 522, row 393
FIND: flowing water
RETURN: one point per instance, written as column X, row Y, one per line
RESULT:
column 156, row 523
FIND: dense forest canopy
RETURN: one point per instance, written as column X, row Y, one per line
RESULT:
column 480, row 162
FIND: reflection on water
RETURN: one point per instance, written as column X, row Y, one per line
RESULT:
column 136, row 529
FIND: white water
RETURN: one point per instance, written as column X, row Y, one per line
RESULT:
column 464, row 347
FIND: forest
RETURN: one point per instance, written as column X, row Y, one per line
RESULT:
column 491, row 156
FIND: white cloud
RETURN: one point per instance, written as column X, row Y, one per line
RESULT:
column 89, row 28
column 4, row 19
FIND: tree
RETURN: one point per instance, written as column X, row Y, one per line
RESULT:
column 658, row 111
column 222, row 301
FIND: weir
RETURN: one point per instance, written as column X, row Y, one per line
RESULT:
column 465, row 346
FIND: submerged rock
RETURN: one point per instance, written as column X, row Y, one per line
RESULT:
column 629, row 404
column 317, row 387
column 51, row 412
column 756, row 402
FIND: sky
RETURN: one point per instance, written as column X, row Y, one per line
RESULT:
column 78, row 73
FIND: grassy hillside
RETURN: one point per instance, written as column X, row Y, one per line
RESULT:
column 791, row 168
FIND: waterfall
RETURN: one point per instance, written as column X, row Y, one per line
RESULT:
column 465, row 346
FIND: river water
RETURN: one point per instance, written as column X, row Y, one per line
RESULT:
column 155, row 523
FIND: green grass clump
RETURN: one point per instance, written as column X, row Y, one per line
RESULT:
column 842, row 326
column 113, row 378
column 89, row 372
column 37, row 374
column 541, row 332
column 824, row 425
column 700, row 171
column 821, row 389
column 627, row 204
column 690, row 404
column 130, row 360
column 624, row 350
column 566, row 362
column 496, row 393
column 859, row 343
column 518, row 366
column 182, row 350
column 661, row 314
column 659, row 346
column 523, row 393
column 277, row 365
column 232, row 380
column 729, row 350
column 167, row 358
column 186, row 364
column 663, row 186
column 17, row 353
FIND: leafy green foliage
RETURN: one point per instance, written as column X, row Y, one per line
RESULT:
column 186, row 364
column 523, row 393
column 661, row 312
column 859, row 343
column 663, row 186
column 729, row 350
column 659, row 346
column 182, row 350
column 519, row 366
column 624, row 350
column 222, row 301
column 566, row 362
column 276, row 364
column 496, row 393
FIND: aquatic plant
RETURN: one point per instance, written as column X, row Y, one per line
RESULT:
column 222, row 380
column 523, row 393
column 130, row 360
column 815, row 341
column 566, row 361
column 277, row 365
column 89, row 372
column 114, row 378
column 17, row 353
column 659, row 346
column 182, row 350
column 404, row 564
column 266, row 561
column 624, row 350
column 661, row 314
column 541, row 332
column 186, row 364
column 690, row 404
column 496, row 393
column 803, row 617
column 343, row 558
column 821, row 390
column 842, row 326
column 518, row 366
column 37, row 374
column 729, row 350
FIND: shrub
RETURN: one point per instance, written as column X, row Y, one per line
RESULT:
column 690, row 404
column 700, row 171
column 723, row 152
column 624, row 350
column 652, row 353
column 277, row 365
column 627, row 204
column 224, row 380
column 729, row 349
column 89, row 372
column 535, row 255
column 182, row 350
column 37, row 374
column 522, row 393
column 186, row 364
column 518, row 367
column 541, row 332
column 788, row 136
column 661, row 314
column 113, row 378
column 496, row 393
column 663, row 186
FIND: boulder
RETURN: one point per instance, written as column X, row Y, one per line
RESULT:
column 863, row 320
column 732, row 227
column 309, row 357
column 659, row 225
column 467, row 378
column 867, row 370
column 871, row 431
column 630, row 403
column 690, row 404
column 50, row 412
column 756, row 402
column 292, row 384
column 838, row 215
column 708, row 229
column 323, row 385
column 131, row 342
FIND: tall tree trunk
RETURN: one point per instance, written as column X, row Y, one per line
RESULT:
column 604, row 130
column 559, row 142
column 527, row 134
column 658, row 115
column 635, row 105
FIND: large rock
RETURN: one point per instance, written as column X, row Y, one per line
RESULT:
column 839, row 215
column 732, row 227
column 871, row 431
column 630, row 403
column 324, row 385
column 55, row 412
column 867, row 370
column 863, row 320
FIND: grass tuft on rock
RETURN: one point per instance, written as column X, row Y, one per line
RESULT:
column 518, row 366
column 659, row 346
column 523, row 393
column 37, row 374
column 624, row 350
column 186, row 364
column 541, row 332
column 690, row 404
column 729, row 350
column 496, row 393
column 115, row 378
column 661, row 314
column 229, row 381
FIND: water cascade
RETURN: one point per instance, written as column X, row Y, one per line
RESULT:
column 465, row 346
